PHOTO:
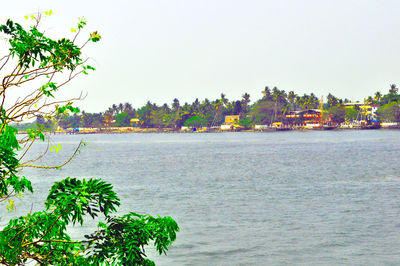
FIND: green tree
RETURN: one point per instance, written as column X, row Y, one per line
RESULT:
column 120, row 108
column 351, row 114
column 41, row 237
column 237, row 108
column 144, row 113
column 87, row 119
column 389, row 112
column 266, row 94
column 158, row 118
column 369, row 100
column 245, row 122
column 391, row 96
column 378, row 96
column 176, row 109
column 393, row 89
column 337, row 113
column 332, row 100
column 129, row 110
column 263, row 112
column 195, row 121
column 122, row 120
column 245, row 102
column 98, row 120
column 291, row 98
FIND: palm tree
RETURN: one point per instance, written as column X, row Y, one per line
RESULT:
column 224, row 100
column 245, row 102
column 303, row 101
column 218, row 105
column 393, row 89
column 378, row 96
column 332, row 100
column 369, row 100
column 275, row 93
column 110, row 111
column 175, row 104
column 267, row 94
column 297, row 101
column 313, row 101
column 127, row 107
column 120, row 107
column 114, row 109
column 291, row 97
column 196, row 105
column 307, row 101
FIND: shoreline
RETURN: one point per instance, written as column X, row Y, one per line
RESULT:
column 169, row 130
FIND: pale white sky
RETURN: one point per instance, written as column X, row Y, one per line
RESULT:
column 159, row 50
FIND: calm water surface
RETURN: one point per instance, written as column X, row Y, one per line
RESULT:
column 250, row 198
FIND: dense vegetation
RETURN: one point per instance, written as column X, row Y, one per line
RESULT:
column 272, row 106
column 40, row 237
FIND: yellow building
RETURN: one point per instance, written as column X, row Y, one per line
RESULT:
column 366, row 109
column 231, row 119
column 135, row 122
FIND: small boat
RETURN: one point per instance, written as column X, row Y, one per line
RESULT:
column 279, row 126
column 370, row 124
column 326, row 127
column 329, row 126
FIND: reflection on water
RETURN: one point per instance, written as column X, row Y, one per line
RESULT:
column 250, row 198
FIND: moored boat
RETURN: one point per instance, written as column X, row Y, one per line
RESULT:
column 370, row 124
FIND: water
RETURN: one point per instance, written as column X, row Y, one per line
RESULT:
column 279, row 198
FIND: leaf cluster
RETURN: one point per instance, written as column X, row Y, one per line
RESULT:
column 33, row 47
column 42, row 236
column 9, row 164
column 122, row 239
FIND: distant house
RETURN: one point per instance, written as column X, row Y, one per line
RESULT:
column 135, row 122
column 312, row 116
column 368, row 109
column 231, row 122
column 231, row 119
column 108, row 120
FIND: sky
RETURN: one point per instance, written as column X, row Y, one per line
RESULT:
column 165, row 49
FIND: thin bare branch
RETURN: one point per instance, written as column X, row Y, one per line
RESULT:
column 41, row 155
column 57, row 166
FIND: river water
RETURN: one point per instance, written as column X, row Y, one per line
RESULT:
column 281, row 198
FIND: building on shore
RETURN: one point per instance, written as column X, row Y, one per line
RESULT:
column 367, row 111
column 230, row 122
column 305, row 118
column 231, row 119
column 135, row 122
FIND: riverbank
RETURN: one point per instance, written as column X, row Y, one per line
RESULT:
column 120, row 130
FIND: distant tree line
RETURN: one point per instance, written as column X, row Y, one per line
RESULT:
column 273, row 105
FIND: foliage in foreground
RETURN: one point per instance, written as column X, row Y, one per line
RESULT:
column 41, row 236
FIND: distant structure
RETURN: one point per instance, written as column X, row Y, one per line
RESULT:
column 309, row 118
column 108, row 120
column 135, row 122
column 231, row 119
column 366, row 110
column 230, row 122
